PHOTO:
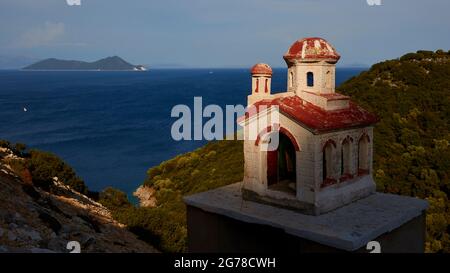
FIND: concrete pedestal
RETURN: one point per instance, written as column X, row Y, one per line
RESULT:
column 221, row 221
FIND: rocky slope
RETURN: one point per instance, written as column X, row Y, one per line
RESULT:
column 33, row 220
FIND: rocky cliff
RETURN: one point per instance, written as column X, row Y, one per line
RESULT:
column 146, row 196
column 34, row 220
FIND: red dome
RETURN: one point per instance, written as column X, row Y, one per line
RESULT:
column 261, row 69
column 311, row 50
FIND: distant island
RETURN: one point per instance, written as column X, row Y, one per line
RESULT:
column 114, row 63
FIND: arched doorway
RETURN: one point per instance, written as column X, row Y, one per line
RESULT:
column 281, row 166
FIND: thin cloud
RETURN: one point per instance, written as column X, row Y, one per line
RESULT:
column 41, row 35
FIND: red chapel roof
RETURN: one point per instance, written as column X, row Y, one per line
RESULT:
column 317, row 119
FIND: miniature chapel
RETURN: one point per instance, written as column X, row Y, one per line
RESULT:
column 323, row 157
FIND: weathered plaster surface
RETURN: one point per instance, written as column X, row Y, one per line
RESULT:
column 349, row 228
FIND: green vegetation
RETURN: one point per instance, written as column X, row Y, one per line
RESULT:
column 114, row 199
column 411, row 152
column 44, row 166
column 41, row 167
column 164, row 226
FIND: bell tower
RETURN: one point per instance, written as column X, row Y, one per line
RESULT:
column 311, row 66
column 261, row 82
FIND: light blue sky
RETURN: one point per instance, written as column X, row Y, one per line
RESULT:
column 219, row 33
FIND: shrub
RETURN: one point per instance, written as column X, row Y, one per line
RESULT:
column 411, row 155
column 44, row 166
column 114, row 199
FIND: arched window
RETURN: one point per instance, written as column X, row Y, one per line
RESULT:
column 291, row 79
column 328, row 79
column 257, row 86
column 266, row 88
column 345, row 157
column 310, row 79
column 363, row 155
column 327, row 161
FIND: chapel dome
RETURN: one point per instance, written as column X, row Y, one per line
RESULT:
column 261, row 68
column 311, row 50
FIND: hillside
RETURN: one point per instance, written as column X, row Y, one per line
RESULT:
column 109, row 64
column 411, row 152
column 412, row 155
column 163, row 223
column 41, row 215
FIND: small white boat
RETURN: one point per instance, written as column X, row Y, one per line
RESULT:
column 140, row 68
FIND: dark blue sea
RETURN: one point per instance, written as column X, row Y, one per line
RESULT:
column 112, row 126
